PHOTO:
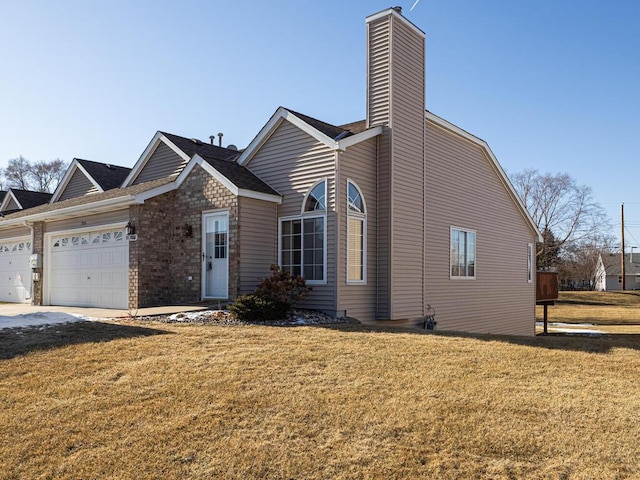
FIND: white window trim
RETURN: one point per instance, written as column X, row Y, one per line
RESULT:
column 324, row 243
column 363, row 217
column 326, row 199
column 475, row 264
column 531, row 262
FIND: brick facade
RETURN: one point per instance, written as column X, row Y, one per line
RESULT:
column 165, row 263
column 38, row 247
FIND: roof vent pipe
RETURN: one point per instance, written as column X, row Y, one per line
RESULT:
column 220, row 139
column 212, row 138
column 398, row 9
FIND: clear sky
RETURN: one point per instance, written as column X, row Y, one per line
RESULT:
column 552, row 85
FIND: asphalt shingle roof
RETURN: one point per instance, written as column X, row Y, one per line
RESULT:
column 106, row 175
column 191, row 146
column 222, row 159
column 29, row 199
column 329, row 130
column 612, row 265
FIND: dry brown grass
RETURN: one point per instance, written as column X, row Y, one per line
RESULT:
column 166, row 401
column 601, row 308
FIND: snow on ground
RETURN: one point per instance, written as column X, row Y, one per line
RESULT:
column 38, row 319
column 558, row 327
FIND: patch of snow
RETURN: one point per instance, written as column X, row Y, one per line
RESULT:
column 581, row 331
column 39, row 319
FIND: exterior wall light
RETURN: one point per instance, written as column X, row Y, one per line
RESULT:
column 130, row 228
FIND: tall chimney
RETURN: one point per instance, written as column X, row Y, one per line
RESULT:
column 396, row 101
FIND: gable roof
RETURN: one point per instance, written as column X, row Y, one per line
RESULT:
column 611, row 263
column 25, row 198
column 103, row 176
column 106, row 175
column 334, row 137
column 183, row 147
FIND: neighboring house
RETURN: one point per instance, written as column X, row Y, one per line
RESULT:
column 609, row 272
column 16, row 199
column 383, row 217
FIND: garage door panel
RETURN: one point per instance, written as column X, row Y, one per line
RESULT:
column 15, row 273
column 90, row 271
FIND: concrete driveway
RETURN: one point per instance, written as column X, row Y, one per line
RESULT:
column 14, row 315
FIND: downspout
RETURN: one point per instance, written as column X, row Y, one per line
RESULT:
column 337, row 208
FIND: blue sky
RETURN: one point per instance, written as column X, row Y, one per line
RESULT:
column 550, row 84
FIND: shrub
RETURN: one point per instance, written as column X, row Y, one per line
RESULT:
column 273, row 299
column 283, row 286
column 254, row 308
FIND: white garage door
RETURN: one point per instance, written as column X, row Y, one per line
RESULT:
column 90, row 269
column 15, row 273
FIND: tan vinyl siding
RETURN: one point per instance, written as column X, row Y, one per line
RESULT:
column 90, row 221
column 463, row 190
column 358, row 164
column 162, row 163
column 78, row 186
column 378, row 84
column 257, row 239
column 291, row 161
column 383, row 231
column 15, row 233
column 12, row 205
column 407, row 176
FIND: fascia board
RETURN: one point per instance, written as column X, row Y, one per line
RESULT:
column 148, row 152
column 305, row 127
column 91, row 179
column 260, row 196
column 95, row 207
column 273, row 123
column 228, row 184
column 7, row 200
column 264, row 133
column 65, row 180
column 75, row 165
column 498, row 168
column 359, row 137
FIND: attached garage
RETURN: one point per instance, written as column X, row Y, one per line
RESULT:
column 89, row 269
column 15, row 272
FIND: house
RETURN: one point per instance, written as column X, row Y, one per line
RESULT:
column 383, row 217
column 609, row 272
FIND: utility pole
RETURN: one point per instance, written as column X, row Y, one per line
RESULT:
column 622, row 248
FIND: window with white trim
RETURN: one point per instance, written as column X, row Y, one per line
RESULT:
column 303, row 239
column 463, row 253
column 356, row 235
column 530, row 262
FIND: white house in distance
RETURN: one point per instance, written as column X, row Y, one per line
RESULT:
column 609, row 272
column 383, row 216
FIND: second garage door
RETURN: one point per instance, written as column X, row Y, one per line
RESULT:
column 15, row 273
column 89, row 269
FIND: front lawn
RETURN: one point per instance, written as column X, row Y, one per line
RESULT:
column 149, row 400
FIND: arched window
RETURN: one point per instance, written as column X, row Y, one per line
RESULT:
column 315, row 200
column 303, row 239
column 356, row 235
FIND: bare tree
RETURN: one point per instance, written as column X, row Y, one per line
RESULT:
column 40, row 176
column 45, row 176
column 17, row 173
column 580, row 260
column 564, row 211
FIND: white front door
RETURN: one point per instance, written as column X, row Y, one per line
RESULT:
column 215, row 255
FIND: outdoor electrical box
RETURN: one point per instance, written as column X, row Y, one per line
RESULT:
column 35, row 261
